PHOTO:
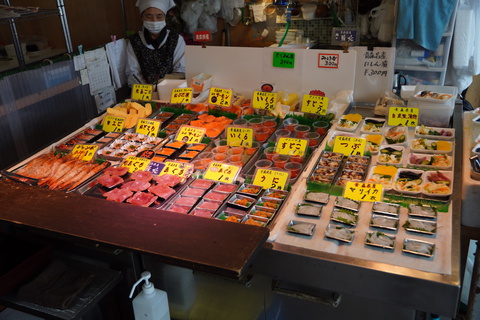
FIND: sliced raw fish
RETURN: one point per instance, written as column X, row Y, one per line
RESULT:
column 135, row 185
column 162, row 191
column 186, row 201
column 201, row 183
column 193, row 192
column 143, row 199
column 168, row 180
column 178, row 209
column 210, row 205
column 118, row 195
column 215, row 196
column 235, row 210
column 202, row 213
column 225, row 188
column 117, row 171
column 142, row 176
column 109, row 181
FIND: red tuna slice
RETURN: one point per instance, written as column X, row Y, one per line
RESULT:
column 202, row 213
column 162, row 191
column 193, row 192
column 210, row 205
column 117, row 194
column 109, row 181
column 136, row 185
column 142, row 176
column 178, row 209
column 216, row 196
column 186, row 201
column 201, row 183
column 116, row 171
column 168, row 180
column 235, row 210
column 143, row 199
column 223, row 187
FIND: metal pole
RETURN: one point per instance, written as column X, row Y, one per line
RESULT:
column 66, row 30
column 16, row 40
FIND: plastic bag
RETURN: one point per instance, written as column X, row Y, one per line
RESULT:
column 190, row 13
column 208, row 22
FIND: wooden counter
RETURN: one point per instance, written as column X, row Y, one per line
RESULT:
column 208, row 245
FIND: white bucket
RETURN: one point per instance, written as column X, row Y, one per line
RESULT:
column 308, row 11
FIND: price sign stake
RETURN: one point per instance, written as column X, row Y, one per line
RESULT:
column 142, row 92
column 221, row 172
column 220, row 97
column 181, row 95
column 84, row 152
column 268, row 178
column 113, row 123
column 148, row 127
column 363, row 191
column 135, row 163
column 349, row 145
column 314, row 104
column 239, row 136
column 406, row 116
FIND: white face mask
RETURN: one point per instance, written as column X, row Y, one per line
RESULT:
column 154, row 26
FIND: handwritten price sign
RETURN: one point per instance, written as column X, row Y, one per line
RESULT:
column 220, row 97
column 180, row 169
column 284, row 60
column 264, row 100
column 327, row 60
column 362, row 191
column 239, row 136
column 113, row 124
column 403, row 116
column 135, row 163
column 84, row 152
column 222, row 172
column 142, row 92
column 181, row 95
column 291, row 146
column 189, row 134
column 349, row 145
column 267, row 178
column 148, row 127
column 155, row 167
column 314, row 104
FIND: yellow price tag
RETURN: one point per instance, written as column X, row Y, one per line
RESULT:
column 221, row 172
column 239, row 137
column 268, row 178
column 220, row 97
column 135, row 163
column 181, row 95
column 349, row 145
column 142, row 92
column 264, row 100
column 113, row 123
column 190, row 134
column 291, row 146
column 363, row 191
column 148, row 127
column 180, row 169
column 84, row 152
column 314, row 104
column 406, row 116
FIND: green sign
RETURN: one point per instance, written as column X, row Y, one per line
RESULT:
column 284, row 59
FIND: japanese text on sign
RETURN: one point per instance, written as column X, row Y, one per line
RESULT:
column 314, row 104
column 328, row 60
column 344, row 35
column 220, row 97
column 362, row 191
column 376, row 64
column 135, row 163
column 284, row 59
column 349, row 145
column 189, row 134
column 155, row 167
column 239, row 136
column 181, row 95
column 291, row 146
column 267, row 178
column 221, row 172
column 406, row 116
column 180, row 169
column 113, row 123
column 84, row 152
column 264, row 100
column 202, row 36
column 142, row 92
column 148, row 127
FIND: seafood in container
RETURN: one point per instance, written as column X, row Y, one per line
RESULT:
column 209, row 205
column 344, row 216
column 373, row 125
column 215, row 196
column 255, row 221
column 392, row 209
column 421, row 226
column 241, row 201
column 391, row 155
column 201, row 183
column 359, row 159
column 438, row 183
column 321, row 179
column 225, row 187
column 424, row 211
column 430, row 96
column 178, row 208
column 250, row 190
column 384, row 222
column 325, row 171
column 318, row 197
column 307, row 209
column 349, row 122
column 275, row 194
column 346, row 203
column 373, row 142
column 339, row 233
column 228, row 216
column 303, row 228
column 355, row 166
column 331, row 155
column 352, row 175
column 380, row 239
column 426, row 132
column 262, row 212
column 396, row 135
column 433, row 161
column 418, row 247
column 193, row 192
column 269, row 203
column 424, row 145
column 383, row 175
column 409, row 181
column 202, row 213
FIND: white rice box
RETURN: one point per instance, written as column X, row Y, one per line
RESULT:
column 165, row 88
column 201, row 82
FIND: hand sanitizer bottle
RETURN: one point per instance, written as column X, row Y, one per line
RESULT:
column 150, row 303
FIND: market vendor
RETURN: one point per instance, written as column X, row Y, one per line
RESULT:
column 155, row 51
